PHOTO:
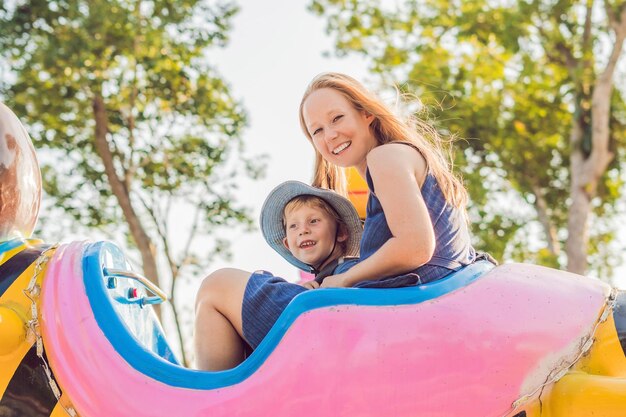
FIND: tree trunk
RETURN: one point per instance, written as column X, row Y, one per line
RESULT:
column 122, row 193
column 586, row 173
column 544, row 218
column 580, row 208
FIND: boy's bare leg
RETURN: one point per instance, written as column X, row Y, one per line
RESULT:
column 218, row 335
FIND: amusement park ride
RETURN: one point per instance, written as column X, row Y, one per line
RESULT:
column 78, row 337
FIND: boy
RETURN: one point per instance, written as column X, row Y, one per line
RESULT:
column 314, row 229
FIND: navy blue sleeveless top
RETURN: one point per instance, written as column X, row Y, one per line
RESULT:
column 453, row 248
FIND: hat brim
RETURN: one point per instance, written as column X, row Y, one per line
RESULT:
column 272, row 217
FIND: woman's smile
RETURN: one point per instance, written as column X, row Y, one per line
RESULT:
column 341, row 147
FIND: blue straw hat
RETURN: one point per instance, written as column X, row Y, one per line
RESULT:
column 272, row 217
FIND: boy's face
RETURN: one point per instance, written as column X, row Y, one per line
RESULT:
column 310, row 234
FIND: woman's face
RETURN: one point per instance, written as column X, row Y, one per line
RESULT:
column 340, row 133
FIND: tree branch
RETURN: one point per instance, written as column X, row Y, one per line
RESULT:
column 544, row 218
column 132, row 167
column 122, row 193
column 586, row 43
column 620, row 35
column 617, row 23
column 150, row 209
column 191, row 237
column 570, row 61
column 601, row 155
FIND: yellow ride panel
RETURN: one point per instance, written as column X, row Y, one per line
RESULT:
column 15, row 312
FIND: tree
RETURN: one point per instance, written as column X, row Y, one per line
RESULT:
column 528, row 85
column 122, row 93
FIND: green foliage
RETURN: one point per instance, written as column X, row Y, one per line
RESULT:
column 173, row 127
column 507, row 78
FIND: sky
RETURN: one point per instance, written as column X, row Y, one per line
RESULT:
column 276, row 47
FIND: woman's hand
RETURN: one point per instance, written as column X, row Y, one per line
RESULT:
column 311, row 285
column 335, row 281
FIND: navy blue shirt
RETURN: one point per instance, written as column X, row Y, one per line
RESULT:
column 453, row 248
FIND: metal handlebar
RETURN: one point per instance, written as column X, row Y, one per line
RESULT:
column 121, row 273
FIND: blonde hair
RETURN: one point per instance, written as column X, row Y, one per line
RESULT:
column 386, row 127
column 321, row 204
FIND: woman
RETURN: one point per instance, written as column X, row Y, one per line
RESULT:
column 416, row 218
column 415, row 229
